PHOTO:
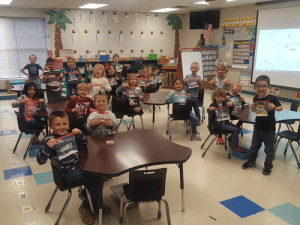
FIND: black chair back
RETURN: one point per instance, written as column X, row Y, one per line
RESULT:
column 298, row 133
column 200, row 96
column 181, row 111
column 151, row 89
column 294, row 106
column 147, row 185
column 119, row 106
column 210, row 122
column 57, row 175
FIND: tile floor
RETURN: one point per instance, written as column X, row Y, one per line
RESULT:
column 217, row 190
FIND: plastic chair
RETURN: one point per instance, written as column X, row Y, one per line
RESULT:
column 214, row 132
column 145, row 186
column 120, row 107
column 23, row 129
column 200, row 101
column 290, row 136
column 179, row 112
column 62, row 186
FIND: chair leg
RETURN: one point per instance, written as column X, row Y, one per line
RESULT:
column 159, row 209
column 121, row 209
column 295, row 155
column 15, row 148
column 276, row 138
column 275, row 150
column 208, row 147
column 31, row 140
column 142, row 121
column 242, row 134
column 205, row 141
column 65, row 206
column 229, row 150
column 286, row 147
column 90, row 199
column 170, row 136
column 124, row 211
column 51, row 199
column 167, row 211
column 203, row 113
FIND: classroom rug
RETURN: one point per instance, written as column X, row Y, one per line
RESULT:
column 242, row 206
column 287, row 212
column 9, row 97
column 43, row 178
column 17, row 172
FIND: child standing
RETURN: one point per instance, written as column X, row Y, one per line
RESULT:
column 73, row 77
column 264, row 128
column 117, row 65
column 220, row 117
column 147, row 85
column 99, row 81
column 114, row 80
column 237, row 101
column 101, row 122
column 53, row 79
column 133, row 99
column 63, row 147
column 79, row 108
column 193, row 83
column 179, row 95
column 28, row 103
column 33, row 69
column 156, row 77
column 220, row 81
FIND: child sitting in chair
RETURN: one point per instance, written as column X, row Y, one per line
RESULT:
column 132, row 92
column 220, row 117
column 63, row 147
column 179, row 96
column 100, row 121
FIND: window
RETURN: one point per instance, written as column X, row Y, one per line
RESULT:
column 20, row 38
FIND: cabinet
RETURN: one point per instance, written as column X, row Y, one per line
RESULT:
column 169, row 75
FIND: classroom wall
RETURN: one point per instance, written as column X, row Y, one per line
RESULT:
column 136, row 42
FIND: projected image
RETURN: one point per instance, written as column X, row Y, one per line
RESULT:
column 278, row 50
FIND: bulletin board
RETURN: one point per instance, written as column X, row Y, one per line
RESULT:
column 226, row 52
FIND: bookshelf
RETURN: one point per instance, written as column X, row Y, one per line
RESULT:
column 169, row 75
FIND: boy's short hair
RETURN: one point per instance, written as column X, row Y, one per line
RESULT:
column 221, row 66
column 33, row 55
column 83, row 86
column 55, row 114
column 49, row 60
column 154, row 68
column 263, row 78
column 195, row 63
column 100, row 94
column 70, row 58
column 235, row 84
column 116, row 55
column 177, row 80
column 218, row 92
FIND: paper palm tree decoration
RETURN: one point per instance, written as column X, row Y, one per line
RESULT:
column 175, row 22
column 61, row 20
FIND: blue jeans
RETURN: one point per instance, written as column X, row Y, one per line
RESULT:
column 195, row 105
column 258, row 138
column 76, row 177
column 194, row 121
column 36, row 124
column 70, row 87
column 235, row 130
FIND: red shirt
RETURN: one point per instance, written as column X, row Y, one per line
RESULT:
column 83, row 105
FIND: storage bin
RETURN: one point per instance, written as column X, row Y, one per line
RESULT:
column 152, row 56
column 104, row 58
column 241, row 155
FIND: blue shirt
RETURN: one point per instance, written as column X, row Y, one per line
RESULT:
column 220, row 83
column 33, row 70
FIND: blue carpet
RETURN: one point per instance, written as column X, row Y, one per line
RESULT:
column 17, row 172
column 287, row 212
column 10, row 97
column 8, row 132
column 43, row 178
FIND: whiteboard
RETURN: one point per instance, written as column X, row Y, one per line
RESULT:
column 187, row 58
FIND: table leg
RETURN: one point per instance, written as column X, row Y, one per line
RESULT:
column 153, row 114
column 182, row 186
column 100, row 202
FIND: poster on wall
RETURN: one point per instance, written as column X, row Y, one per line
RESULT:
column 75, row 20
column 91, row 19
column 98, row 38
column 147, row 19
column 156, row 20
column 74, row 38
column 115, row 18
column 136, row 17
column 103, row 18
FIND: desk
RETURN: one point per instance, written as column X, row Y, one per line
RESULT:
column 131, row 150
column 158, row 98
column 247, row 116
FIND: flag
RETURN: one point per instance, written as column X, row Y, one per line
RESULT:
column 207, row 31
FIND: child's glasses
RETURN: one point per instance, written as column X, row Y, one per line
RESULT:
column 263, row 87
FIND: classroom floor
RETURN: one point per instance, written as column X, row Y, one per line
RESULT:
column 217, row 190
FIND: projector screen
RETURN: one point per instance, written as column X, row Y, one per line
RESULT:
column 277, row 52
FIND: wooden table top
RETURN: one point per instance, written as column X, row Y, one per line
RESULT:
column 158, row 98
column 131, row 150
column 247, row 116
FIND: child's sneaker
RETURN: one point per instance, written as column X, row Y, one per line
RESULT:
column 267, row 171
column 199, row 123
column 238, row 149
column 220, row 141
column 196, row 137
column 248, row 165
column 86, row 216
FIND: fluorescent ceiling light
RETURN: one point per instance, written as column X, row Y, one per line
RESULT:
column 202, row 3
column 164, row 10
column 230, row 0
column 92, row 6
column 5, row 2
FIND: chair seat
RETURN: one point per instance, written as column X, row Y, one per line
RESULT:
column 288, row 135
column 289, row 122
